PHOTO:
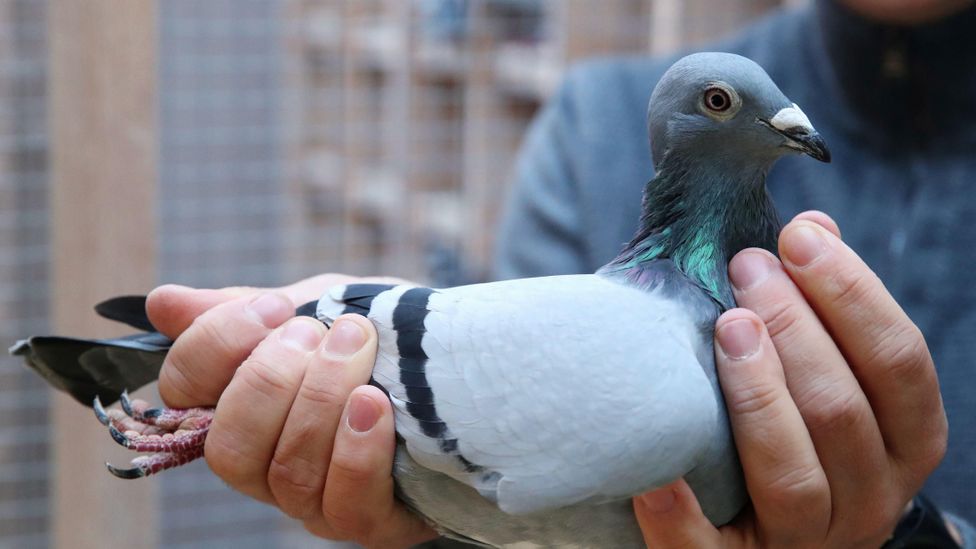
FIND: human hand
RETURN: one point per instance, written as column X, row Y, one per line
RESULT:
column 293, row 426
column 833, row 400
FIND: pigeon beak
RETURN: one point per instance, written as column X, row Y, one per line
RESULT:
column 809, row 143
column 800, row 135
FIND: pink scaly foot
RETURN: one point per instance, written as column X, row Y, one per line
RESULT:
column 176, row 436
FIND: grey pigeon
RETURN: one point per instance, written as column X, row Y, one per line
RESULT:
column 529, row 411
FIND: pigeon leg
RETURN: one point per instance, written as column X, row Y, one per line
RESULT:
column 176, row 436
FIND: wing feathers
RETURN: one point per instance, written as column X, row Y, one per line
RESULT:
column 399, row 313
column 541, row 392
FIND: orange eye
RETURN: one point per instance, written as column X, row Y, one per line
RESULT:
column 717, row 100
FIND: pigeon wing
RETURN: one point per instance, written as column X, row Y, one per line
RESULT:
column 544, row 392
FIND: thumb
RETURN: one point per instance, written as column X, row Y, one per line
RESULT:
column 671, row 517
column 171, row 308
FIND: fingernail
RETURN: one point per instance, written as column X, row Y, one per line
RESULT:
column 303, row 334
column 803, row 245
column 659, row 501
column 363, row 414
column 267, row 308
column 738, row 339
column 345, row 338
column 748, row 270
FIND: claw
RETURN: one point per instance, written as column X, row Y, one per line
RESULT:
column 100, row 412
column 130, row 473
column 117, row 436
column 147, row 416
column 126, row 403
column 143, row 466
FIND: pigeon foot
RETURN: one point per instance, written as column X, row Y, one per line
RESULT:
column 174, row 436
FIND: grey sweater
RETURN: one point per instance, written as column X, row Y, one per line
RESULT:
column 898, row 109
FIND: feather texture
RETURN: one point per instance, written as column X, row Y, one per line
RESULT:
column 485, row 394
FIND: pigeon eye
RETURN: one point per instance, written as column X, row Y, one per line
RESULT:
column 717, row 100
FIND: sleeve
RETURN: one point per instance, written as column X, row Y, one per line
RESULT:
column 541, row 229
column 966, row 531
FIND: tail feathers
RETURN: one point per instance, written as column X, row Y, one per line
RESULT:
column 353, row 298
column 89, row 367
column 128, row 309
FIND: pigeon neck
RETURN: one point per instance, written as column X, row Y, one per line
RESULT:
column 698, row 218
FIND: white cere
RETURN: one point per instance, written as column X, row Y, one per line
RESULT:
column 791, row 117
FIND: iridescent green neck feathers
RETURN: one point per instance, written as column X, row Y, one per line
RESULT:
column 697, row 218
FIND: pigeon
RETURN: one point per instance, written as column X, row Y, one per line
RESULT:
column 528, row 412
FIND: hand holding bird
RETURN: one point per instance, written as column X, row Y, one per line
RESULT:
column 833, row 400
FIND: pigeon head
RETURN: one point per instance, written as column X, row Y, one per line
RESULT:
column 725, row 108
column 717, row 123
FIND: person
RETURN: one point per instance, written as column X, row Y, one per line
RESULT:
column 832, row 391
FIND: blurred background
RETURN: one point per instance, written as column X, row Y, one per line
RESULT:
column 253, row 142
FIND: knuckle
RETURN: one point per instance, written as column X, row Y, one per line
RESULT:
column 851, row 289
column 262, row 377
column 756, row 399
column 902, row 352
column 217, row 335
column 176, row 382
column 346, row 523
column 329, row 394
column 296, row 483
column 347, row 469
column 832, row 409
column 797, row 487
column 227, row 461
column 782, row 319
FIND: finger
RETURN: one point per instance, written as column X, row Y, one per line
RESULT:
column 834, row 409
column 301, row 459
column 883, row 347
column 358, row 502
column 821, row 219
column 252, row 411
column 312, row 288
column 171, row 308
column 670, row 517
column 785, row 481
column 203, row 359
